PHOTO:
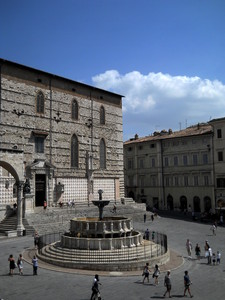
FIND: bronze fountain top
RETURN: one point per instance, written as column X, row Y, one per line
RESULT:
column 100, row 204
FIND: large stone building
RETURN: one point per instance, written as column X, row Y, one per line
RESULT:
column 64, row 137
column 178, row 170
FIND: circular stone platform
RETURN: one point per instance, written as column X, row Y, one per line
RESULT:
column 107, row 244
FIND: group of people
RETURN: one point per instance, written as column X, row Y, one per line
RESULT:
column 13, row 265
column 146, row 273
column 147, row 235
column 19, row 264
column 212, row 257
column 168, row 284
column 167, row 280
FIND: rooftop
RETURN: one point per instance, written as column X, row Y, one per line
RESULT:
column 198, row 129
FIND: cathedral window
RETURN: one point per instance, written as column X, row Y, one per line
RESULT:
column 74, row 110
column 102, row 154
column 40, row 103
column 102, row 115
column 74, row 152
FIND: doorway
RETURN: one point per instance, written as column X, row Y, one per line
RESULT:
column 40, row 189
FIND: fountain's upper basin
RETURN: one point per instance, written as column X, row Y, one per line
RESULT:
column 93, row 226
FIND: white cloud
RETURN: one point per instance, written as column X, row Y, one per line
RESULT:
column 163, row 101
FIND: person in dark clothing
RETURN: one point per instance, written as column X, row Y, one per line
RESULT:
column 187, row 283
column 95, row 290
column 11, row 264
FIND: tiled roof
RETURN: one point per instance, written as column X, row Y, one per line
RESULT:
column 199, row 129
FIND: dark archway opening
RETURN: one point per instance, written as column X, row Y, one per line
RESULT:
column 196, row 202
column 40, row 189
column 183, row 203
column 169, row 202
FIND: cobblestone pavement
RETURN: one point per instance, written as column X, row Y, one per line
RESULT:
column 208, row 280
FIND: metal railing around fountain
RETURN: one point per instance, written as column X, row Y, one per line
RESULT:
column 151, row 250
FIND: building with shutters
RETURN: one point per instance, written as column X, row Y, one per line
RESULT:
column 182, row 170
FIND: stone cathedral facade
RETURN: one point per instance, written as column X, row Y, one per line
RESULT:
column 63, row 137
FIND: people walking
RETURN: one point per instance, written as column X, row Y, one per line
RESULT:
column 218, row 257
column 210, row 256
column 35, row 265
column 95, row 290
column 156, row 274
column 146, row 272
column 12, row 264
column 20, row 264
column 144, row 218
column 45, row 205
column 153, row 236
column 189, row 248
column 197, row 251
column 147, row 234
column 187, row 283
column 167, row 284
column 213, row 228
column 36, row 240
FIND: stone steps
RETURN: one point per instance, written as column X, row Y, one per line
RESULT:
column 58, row 219
column 9, row 224
column 120, row 259
column 146, row 250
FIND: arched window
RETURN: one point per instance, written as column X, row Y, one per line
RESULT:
column 40, row 103
column 74, row 110
column 102, row 115
column 183, row 203
column 196, row 204
column 74, row 152
column 169, row 202
column 102, row 154
column 207, row 204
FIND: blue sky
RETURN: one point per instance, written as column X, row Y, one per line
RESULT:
column 165, row 56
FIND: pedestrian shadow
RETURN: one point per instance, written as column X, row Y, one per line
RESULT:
column 7, row 275
column 162, row 297
column 146, row 283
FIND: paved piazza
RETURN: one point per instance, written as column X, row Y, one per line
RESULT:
column 208, row 280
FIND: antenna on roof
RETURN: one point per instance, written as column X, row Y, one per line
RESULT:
column 180, row 125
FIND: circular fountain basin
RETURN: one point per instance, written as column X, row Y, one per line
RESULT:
column 106, row 234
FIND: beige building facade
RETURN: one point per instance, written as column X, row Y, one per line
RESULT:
column 64, row 137
column 182, row 170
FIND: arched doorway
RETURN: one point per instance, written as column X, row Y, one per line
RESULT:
column 16, row 170
column 207, row 204
column 40, row 189
column 196, row 204
column 183, row 203
column 131, row 195
column 169, row 202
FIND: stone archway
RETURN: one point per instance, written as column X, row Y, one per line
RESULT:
column 7, row 156
column 169, row 202
column 183, row 203
column 207, row 204
column 196, row 204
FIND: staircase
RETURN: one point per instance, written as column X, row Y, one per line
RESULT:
column 9, row 224
column 56, row 219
